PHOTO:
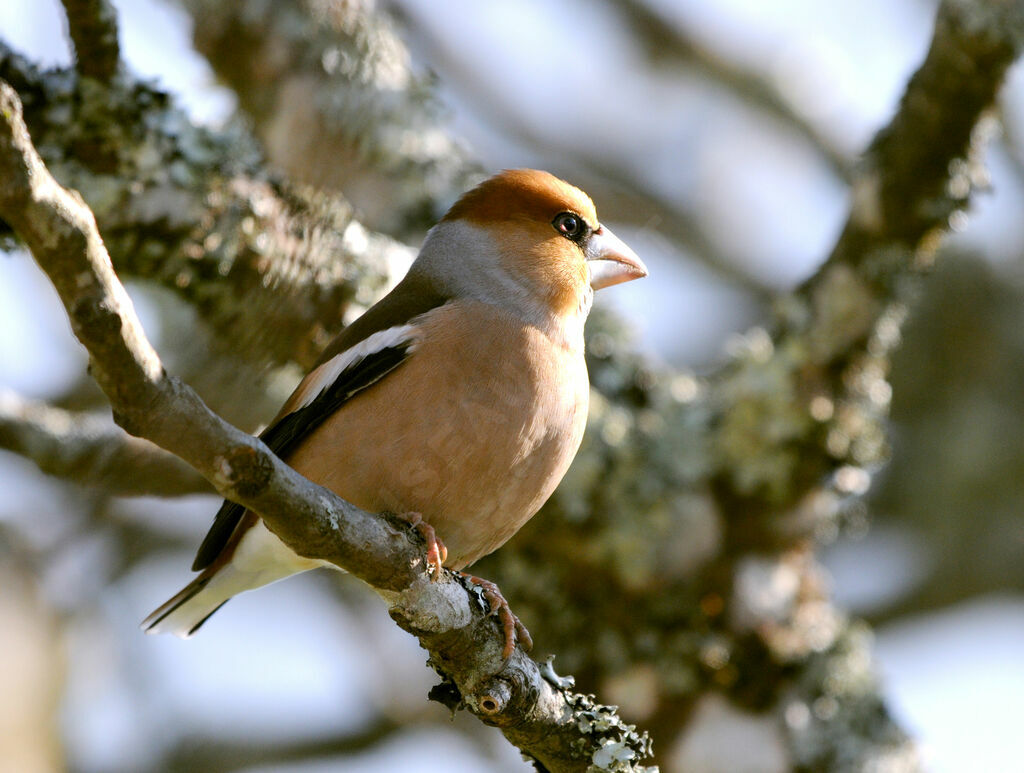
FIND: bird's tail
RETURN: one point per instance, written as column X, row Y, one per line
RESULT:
column 183, row 613
column 189, row 608
column 259, row 558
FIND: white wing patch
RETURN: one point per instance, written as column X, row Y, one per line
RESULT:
column 324, row 376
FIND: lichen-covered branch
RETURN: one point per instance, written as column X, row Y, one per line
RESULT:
column 539, row 714
column 700, row 501
column 918, row 172
column 336, row 103
column 89, row 450
column 837, row 331
column 272, row 269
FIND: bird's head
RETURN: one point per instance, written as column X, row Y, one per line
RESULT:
column 528, row 241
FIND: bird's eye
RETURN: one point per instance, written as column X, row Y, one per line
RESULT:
column 570, row 226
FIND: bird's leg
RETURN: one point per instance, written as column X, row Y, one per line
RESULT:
column 437, row 553
column 513, row 628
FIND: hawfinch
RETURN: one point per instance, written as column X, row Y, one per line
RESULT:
column 458, row 400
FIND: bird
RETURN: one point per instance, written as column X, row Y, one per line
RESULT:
column 456, row 402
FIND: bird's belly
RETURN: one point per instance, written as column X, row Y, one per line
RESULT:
column 480, row 483
column 477, row 460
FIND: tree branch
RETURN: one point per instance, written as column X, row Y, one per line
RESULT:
column 666, row 41
column 92, row 25
column 906, row 189
column 335, row 101
column 564, row 732
column 273, row 270
column 89, row 450
column 839, row 327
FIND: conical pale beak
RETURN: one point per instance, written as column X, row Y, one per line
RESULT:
column 610, row 261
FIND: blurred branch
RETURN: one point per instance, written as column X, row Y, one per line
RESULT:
column 665, row 40
column 565, row 732
column 332, row 95
column 919, row 171
column 655, row 211
column 199, row 754
column 92, row 25
column 91, row 451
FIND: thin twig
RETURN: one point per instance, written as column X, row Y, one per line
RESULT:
column 667, row 41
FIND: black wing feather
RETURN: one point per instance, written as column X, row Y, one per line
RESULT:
column 284, row 435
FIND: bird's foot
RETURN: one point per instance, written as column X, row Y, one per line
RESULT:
column 437, row 553
column 511, row 625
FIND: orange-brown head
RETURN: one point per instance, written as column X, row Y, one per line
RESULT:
column 529, row 241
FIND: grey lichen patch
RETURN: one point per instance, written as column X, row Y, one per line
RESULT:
column 245, row 470
column 844, row 310
column 224, row 473
column 764, row 590
column 611, row 745
column 547, row 670
column 761, row 421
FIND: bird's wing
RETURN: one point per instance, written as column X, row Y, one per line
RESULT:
column 364, row 353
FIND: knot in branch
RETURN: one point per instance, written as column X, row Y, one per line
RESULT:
column 245, row 470
column 493, row 699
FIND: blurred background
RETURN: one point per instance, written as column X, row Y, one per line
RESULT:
column 717, row 139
